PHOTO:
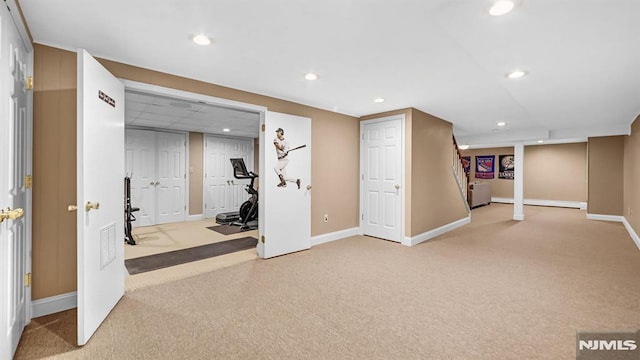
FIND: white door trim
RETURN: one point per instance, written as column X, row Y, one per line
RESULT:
column 402, row 119
column 211, row 100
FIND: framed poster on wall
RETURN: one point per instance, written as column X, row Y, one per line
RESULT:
column 485, row 166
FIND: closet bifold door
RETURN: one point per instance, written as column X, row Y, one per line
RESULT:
column 223, row 192
column 156, row 163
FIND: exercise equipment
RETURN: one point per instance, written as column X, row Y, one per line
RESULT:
column 128, row 212
column 249, row 209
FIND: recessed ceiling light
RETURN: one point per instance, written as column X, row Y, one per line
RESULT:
column 463, row 147
column 501, row 7
column 501, row 123
column 311, row 76
column 540, row 141
column 378, row 100
column 201, row 40
column 517, row 74
column 226, row 130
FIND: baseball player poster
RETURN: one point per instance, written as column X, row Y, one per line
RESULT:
column 485, row 166
column 285, row 184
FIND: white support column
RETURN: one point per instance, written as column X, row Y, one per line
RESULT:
column 518, row 182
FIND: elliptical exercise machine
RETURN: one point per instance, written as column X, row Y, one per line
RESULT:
column 249, row 209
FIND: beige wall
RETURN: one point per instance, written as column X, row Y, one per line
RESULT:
column 196, row 173
column 54, row 173
column 551, row 172
column 435, row 196
column 335, row 160
column 606, row 162
column 556, row 172
column 631, row 204
column 501, row 188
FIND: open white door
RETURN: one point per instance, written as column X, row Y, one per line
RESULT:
column 15, row 161
column 101, row 270
column 284, row 211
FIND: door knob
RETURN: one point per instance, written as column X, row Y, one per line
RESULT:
column 91, row 205
column 71, row 208
column 11, row 214
column 397, row 187
column 152, row 183
column 308, row 187
column 228, row 182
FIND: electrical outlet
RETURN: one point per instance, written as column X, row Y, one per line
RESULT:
column 326, row 217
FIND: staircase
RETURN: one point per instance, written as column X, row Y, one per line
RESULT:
column 462, row 178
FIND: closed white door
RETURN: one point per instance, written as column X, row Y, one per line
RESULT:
column 239, row 149
column 285, row 211
column 172, row 177
column 223, row 192
column 101, row 171
column 217, row 176
column 381, row 178
column 14, row 160
column 140, row 162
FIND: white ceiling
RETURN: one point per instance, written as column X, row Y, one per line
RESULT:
column 448, row 58
column 155, row 111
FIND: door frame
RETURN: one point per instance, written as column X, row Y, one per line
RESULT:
column 191, row 96
column 401, row 236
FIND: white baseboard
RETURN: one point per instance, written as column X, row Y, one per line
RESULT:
column 435, row 232
column 538, row 202
column 631, row 232
column 195, row 217
column 605, row 217
column 501, row 200
column 337, row 235
column 54, row 304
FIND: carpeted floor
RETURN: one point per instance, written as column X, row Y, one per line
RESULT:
column 494, row 289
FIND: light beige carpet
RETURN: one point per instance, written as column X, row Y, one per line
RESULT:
column 494, row 289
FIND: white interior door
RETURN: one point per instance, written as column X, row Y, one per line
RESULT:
column 141, row 166
column 14, row 161
column 237, row 192
column 101, row 169
column 216, row 176
column 381, row 165
column 172, row 177
column 223, row 192
column 285, row 212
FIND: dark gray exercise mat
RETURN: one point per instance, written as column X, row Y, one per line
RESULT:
column 226, row 229
column 177, row 257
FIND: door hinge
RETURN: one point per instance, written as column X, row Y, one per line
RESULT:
column 262, row 239
column 27, row 280
column 29, row 84
column 362, row 176
column 263, row 127
column 185, row 175
column 362, row 217
column 185, row 207
column 28, row 181
column 363, row 136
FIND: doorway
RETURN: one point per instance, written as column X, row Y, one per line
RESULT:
column 155, row 115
